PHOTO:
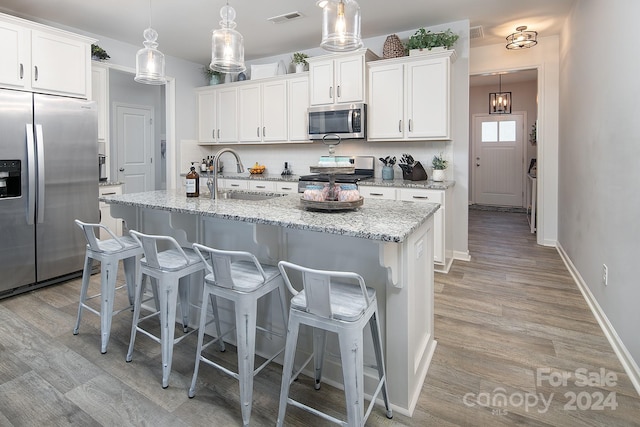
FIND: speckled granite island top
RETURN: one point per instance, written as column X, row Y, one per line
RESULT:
column 383, row 220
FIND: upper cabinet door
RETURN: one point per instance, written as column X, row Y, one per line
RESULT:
column 59, row 64
column 250, row 127
column 428, row 98
column 14, row 67
column 349, row 79
column 207, row 116
column 321, row 87
column 386, row 101
column 227, row 114
column 274, row 111
column 298, row 105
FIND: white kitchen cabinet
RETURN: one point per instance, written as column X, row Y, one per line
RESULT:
column 114, row 224
column 338, row 78
column 298, row 103
column 217, row 114
column 100, row 94
column 286, row 187
column 409, row 98
column 386, row 193
column 39, row 58
column 233, row 184
column 263, row 111
column 262, row 185
column 442, row 222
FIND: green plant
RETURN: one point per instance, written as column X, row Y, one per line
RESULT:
column 439, row 163
column 208, row 73
column 423, row 39
column 388, row 161
column 300, row 58
column 98, row 52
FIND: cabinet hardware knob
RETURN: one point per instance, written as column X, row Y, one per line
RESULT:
column 121, row 169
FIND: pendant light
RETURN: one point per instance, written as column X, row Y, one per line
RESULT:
column 340, row 25
column 149, row 60
column 522, row 39
column 227, row 45
column 500, row 102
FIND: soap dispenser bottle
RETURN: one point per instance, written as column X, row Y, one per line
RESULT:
column 193, row 182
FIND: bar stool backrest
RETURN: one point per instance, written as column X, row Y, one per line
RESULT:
column 317, row 286
column 90, row 234
column 218, row 262
column 149, row 245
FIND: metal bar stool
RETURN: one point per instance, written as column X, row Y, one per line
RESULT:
column 343, row 307
column 170, row 270
column 238, row 277
column 108, row 253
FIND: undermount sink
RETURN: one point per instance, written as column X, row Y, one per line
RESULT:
column 241, row 195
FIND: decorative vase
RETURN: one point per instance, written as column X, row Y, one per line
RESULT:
column 387, row 173
column 214, row 80
column 299, row 68
column 438, row 175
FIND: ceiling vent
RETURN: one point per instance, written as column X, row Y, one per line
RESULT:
column 285, row 17
column 476, row 32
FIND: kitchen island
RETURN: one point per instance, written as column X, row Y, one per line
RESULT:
column 388, row 242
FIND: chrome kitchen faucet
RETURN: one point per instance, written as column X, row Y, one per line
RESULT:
column 212, row 183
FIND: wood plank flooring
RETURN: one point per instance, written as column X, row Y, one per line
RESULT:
column 502, row 320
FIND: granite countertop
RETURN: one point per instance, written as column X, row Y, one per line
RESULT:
column 382, row 220
column 248, row 176
column 108, row 183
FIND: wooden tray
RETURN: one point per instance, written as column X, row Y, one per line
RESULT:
column 331, row 170
column 331, row 205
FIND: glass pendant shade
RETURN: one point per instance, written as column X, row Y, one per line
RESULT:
column 150, row 61
column 227, row 45
column 340, row 25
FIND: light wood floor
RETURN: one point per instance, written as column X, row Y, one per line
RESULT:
column 502, row 320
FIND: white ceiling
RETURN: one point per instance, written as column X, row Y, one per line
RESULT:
column 185, row 27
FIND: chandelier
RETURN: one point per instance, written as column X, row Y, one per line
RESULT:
column 522, row 39
column 227, row 45
column 149, row 60
column 500, row 102
column 340, row 25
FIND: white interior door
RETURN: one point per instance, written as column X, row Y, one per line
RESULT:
column 498, row 159
column 134, row 130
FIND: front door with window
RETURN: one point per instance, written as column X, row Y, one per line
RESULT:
column 498, row 161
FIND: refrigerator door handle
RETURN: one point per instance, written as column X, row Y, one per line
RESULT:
column 40, row 145
column 31, row 166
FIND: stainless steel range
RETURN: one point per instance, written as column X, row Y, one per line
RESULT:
column 363, row 170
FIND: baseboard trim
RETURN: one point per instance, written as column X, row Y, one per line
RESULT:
column 629, row 365
column 462, row 256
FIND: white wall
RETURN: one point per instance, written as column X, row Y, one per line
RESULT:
column 599, row 173
column 544, row 57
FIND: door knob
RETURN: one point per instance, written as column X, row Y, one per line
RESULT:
column 477, row 164
column 121, row 169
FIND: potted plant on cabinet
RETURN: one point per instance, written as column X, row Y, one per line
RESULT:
column 213, row 77
column 424, row 40
column 99, row 53
column 439, row 165
column 300, row 61
column 387, row 169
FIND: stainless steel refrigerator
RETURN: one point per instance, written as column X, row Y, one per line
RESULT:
column 48, row 178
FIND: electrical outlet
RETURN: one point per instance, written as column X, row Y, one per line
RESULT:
column 605, row 275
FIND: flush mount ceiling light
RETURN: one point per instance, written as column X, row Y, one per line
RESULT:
column 149, row 60
column 340, row 25
column 522, row 39
column 227, row 45
column 500, row 102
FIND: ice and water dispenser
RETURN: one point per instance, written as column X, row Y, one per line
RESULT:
column 10, row 178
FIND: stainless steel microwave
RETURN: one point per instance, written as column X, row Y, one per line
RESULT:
column 347, row 121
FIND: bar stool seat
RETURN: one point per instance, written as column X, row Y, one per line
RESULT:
column 338, row 302
column 238, row 277
column 170, row 271
column 109, row 253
